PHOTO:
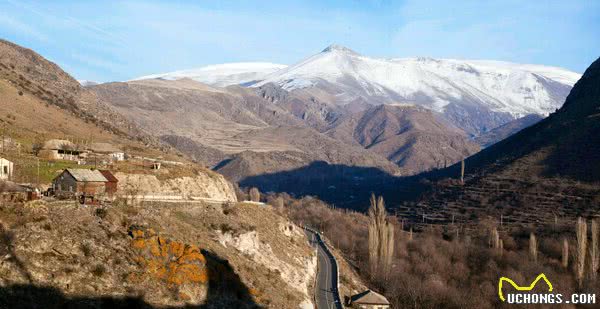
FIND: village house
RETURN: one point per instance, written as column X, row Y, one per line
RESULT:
column 86, row 183
column 14, row 192
column 6, row 169
column 106, row 151
column 369, row 300
column 79, row 181
column 59, row 149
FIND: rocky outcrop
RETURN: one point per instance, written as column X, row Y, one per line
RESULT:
column 297, row 272
column 208, row 185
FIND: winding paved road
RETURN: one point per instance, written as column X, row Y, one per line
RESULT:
column 326, row 293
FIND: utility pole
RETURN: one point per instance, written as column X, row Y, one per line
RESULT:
column 38, row 171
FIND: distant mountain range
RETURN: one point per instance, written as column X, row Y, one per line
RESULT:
column 338, row 107
column 222, row 75
column 476, row 96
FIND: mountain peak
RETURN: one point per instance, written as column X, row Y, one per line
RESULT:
column 336, row 47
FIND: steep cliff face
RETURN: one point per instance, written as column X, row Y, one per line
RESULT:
column 296, row 270
column 208, row 185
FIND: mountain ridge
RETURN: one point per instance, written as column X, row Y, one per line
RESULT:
column 449, row 86
column 221, row 75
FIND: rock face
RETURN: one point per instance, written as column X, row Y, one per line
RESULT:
column 298, row 272
column 208, row 185
column 180, row 266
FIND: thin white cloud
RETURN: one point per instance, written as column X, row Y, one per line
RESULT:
column 55, row 20
column 21, row 28
column 99, row 63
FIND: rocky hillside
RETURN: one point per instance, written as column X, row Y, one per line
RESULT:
column 413, row 137
column 32, row 74
column 217, row 122
column 569, row 136
column 154, row 255
column 39, row 101
column 549, row 169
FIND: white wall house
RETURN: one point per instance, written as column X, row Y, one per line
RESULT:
column 6, row 169
column 118, row 156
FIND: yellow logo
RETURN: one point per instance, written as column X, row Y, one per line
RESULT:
column 522, row 288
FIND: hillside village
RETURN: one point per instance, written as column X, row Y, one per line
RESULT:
column 73, row 169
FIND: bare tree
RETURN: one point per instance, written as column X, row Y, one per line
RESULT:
column 533, row 252
column 254, row 195
column 495, row 238
column 581, row 250
column 565, row 253
column 381, row 237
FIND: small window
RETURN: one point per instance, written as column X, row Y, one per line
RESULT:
column 5, row 169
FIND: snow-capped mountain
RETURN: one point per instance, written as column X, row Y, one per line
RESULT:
column 86, row 83
column 222, row 75
column 476, row 95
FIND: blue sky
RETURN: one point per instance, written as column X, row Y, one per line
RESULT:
column 120, row 40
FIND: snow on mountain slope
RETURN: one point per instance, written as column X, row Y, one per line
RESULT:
column 222, row 75
column 439, row 84
column 86, row 83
